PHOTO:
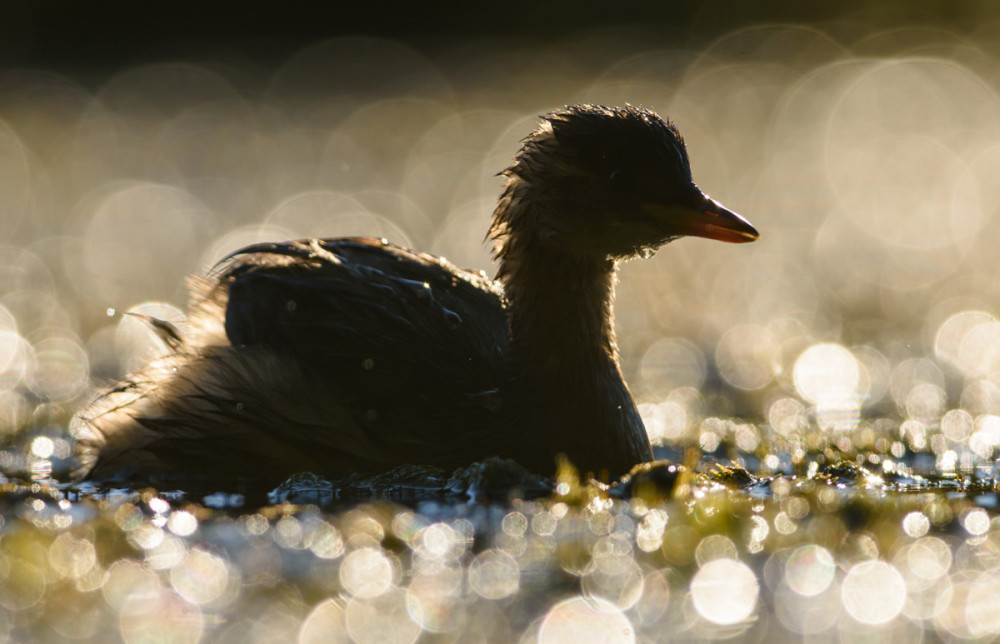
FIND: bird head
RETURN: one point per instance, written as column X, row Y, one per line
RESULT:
column 605, row 183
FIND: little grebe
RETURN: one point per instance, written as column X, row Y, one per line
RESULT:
column 338, row 355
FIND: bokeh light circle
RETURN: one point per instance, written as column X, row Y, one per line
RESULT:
column 724, row 591
column 324, row 625
column 614, row 577
column 384, row 619
column 810, row 570
column 494, row 574
column 826, row 372
column 873, row 592
column 585, row 620
column 366, row 573
column 200, row 577
column 747, row 357
column 671, row 363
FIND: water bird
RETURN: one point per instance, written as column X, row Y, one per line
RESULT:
column 353, row 354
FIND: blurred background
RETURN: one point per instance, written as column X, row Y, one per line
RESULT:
column 138, row 145
column 141, row 142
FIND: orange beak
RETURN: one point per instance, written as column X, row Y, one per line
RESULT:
column 706, row 218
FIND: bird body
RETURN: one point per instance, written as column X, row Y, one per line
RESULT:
column 354, row 354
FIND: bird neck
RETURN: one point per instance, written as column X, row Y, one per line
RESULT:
column 561, row 313
column 565, row 360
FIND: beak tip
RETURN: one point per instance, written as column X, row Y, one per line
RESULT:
column 733, row 234
column 737, row 229
column 708, row 219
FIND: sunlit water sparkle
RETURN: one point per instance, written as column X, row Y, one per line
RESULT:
column 849, row 361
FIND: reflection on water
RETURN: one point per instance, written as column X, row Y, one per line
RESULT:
column 851, row 358
column 778, row 558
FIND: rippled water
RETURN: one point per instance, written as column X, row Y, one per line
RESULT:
column 829, row 397
column 669, row 554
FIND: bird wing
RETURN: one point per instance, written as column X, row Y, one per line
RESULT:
column 399, row 354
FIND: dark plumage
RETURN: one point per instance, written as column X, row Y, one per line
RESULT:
column 356, row 355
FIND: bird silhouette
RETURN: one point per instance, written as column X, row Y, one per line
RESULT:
column 352, row 354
